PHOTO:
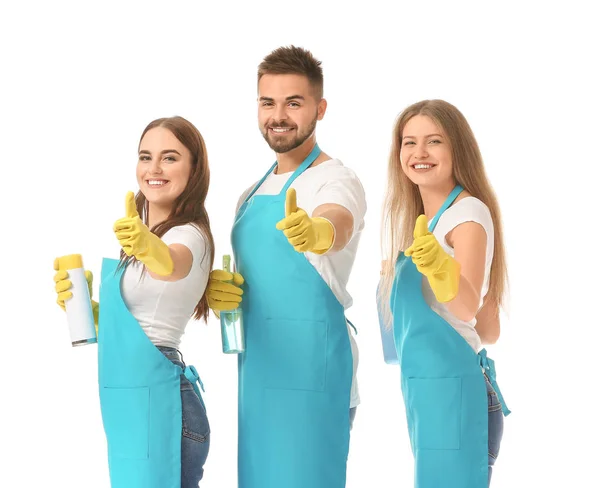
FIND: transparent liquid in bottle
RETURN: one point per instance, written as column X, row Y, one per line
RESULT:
column 232, row 324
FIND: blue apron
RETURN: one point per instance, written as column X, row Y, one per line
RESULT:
column 390, row 356
column 442, row 384
column 140, row 395
column 296, row 373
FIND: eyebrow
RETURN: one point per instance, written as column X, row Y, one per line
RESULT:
column 291, row 97
column 428, row 135
column 162, row 152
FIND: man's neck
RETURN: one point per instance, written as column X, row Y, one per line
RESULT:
column 289, row 161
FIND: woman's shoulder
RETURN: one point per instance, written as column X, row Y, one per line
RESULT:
column 191, row 236
column 466, row 208
column 469, row 206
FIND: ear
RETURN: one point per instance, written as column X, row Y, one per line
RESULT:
column 321, row 108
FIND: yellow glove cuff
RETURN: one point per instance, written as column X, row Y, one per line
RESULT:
column 445, row 280
column 156, row 256
column 325, row 234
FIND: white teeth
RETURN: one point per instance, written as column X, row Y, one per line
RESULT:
column 280, row 129
column 156, row 182
column 423, row 166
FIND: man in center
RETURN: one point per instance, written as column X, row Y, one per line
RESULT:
column 294, row 239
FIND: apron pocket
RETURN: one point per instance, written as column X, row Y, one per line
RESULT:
column 294, row 354
column 126, row 414
column 434, row 409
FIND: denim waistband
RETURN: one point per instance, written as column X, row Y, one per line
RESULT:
column 172, row 354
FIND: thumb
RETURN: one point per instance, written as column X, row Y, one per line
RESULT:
column 421, row 228
column 290, row 202
column 238, row 279
column 130, row 208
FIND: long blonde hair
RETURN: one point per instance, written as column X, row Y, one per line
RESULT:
column 403, row 203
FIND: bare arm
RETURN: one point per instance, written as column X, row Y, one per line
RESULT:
column 488, row 323
column 469, row 242
column 182, row 263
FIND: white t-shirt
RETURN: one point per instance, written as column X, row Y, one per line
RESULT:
column 328, row 182
column 469, row 209
column 164, row 308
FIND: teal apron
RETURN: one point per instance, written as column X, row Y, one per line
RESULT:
column 296, row 373
column 140, row 395
column 442, row 384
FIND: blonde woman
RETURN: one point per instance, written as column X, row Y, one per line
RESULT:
column 442, row 293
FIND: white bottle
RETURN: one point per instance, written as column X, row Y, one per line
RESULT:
column 80, row 315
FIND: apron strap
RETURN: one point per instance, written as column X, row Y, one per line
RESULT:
column 262, row 180
column 352, row 325
column 449, row 201
column 310, row 159
column 489, row 366
column 194, row 378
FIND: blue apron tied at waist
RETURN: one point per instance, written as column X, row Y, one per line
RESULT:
column 193, row 377
column 489, row 366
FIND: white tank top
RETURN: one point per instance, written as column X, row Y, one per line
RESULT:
column 469, row 209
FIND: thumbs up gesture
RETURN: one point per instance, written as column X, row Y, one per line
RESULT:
column 129, row 229
column 137, row 240
column 304, row 233
column 441, row 269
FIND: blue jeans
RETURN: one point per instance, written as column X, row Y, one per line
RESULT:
column 495, row 427
column 195, row 435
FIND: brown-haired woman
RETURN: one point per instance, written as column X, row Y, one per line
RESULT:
column 442, row 291
column 153, row 414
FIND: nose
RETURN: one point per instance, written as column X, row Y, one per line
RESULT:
column 280, row 113
column 155, row 167
column 421, row 151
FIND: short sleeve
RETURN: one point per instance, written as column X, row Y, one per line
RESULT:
column 468, row 209
column 344, row 188
column 190, row 236
column 243, row 198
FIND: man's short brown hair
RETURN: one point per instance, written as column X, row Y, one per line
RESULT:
column 297, row 61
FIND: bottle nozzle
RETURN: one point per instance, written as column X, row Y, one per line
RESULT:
column 227, row 263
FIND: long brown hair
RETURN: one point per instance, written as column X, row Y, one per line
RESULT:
column 403, row 203
column 188, row 207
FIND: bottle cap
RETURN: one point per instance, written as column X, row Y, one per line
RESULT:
column 71, row 261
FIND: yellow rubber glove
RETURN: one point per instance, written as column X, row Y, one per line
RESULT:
column 441, row 269
column 62, row 285
column 223, row 291
column 306, row 234
column 137, row 240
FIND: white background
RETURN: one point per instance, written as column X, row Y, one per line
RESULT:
column 79, row 83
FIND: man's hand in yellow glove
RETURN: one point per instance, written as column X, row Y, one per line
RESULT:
column 223, row 290
column 62, row 285
column 137, row 240
column 441, row 269
column 306, row 234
